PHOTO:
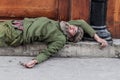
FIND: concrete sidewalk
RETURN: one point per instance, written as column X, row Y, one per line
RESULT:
column 102, row 67
column 61, row 69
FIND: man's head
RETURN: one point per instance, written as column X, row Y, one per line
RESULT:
column 74, row 33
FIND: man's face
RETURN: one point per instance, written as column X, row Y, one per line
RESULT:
column 72, row 30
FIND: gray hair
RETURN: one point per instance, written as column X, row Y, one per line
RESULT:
column 78, row 36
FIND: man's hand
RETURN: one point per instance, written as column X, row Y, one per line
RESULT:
column 103, row 43
column 30, row 64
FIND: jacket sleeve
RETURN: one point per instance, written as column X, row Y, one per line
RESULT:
column 84, row 25
column 52, row 48
column 2, row 41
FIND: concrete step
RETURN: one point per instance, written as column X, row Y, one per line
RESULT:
column 81, row 49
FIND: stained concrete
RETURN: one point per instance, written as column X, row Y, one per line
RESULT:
column 61, row 69
column 81, row 49
column 86, row 62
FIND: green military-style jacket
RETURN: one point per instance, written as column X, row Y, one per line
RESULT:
column 41, row 30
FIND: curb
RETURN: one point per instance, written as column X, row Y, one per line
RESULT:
column 81, row 49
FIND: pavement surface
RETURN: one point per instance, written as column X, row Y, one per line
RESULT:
column 60, row 69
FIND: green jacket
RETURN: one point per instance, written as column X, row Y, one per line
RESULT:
column 41, row 30
column 44, row 30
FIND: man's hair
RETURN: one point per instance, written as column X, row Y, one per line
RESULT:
column 77, row 37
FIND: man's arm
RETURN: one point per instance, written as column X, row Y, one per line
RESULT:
column 89, row 30
column 46, row 53
column 84, row 25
